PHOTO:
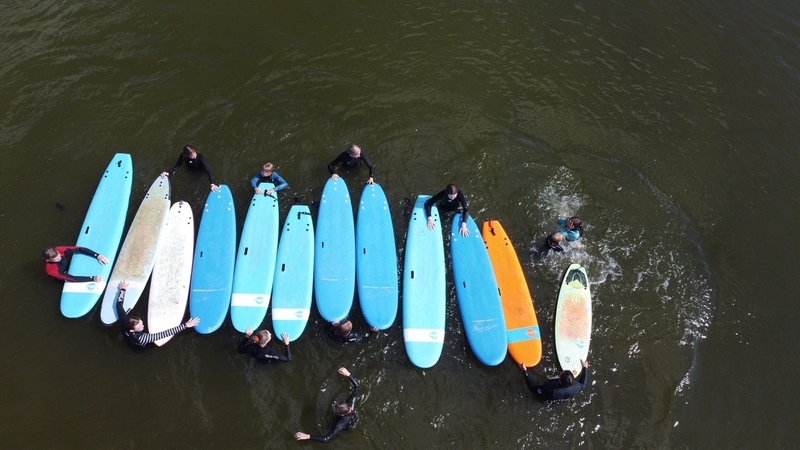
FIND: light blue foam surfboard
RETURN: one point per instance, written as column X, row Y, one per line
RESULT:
column 335, row 252
column 255, row 261
column 478, row 295
column 214, row 254
column 102, row 232
column 291, row 291
column 138, row 253
column 376, row 259
column 424, row 294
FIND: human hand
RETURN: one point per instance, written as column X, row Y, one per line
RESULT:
column 335, row 323
column 259, row 191
column 271, row 191
column 464, row 230
column 122, row 284
column 97, row 278
column 301, row 436
column 214, row 187
column 285, row 338
column 371, row 180
column 102, row 259
column 192, row 322
column 431, row 224
column 585, row 364
column 375, row 330
column 524, row 368
column 344, row 371
column 164, row 174
column 335, row 176
column 248, row 331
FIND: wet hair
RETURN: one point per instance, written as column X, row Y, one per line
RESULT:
column 188, row 149
column 261, row 336
column 566, row 378
column 131, row 321
column 352, row 148
column 576, row 221
column 555, row 239
column 344, row 328
column 267, row 166
column 451, row 189
column 341, row 408
column 49, row 253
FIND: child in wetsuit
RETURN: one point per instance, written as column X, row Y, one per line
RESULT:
column 345, row 411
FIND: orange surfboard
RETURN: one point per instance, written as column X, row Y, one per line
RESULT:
column 522, row 327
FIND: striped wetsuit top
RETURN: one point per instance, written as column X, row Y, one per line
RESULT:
column 139, row 339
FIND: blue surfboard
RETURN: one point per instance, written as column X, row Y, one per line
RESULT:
column 424, row 293
column 478, row 295
column 291, row 292
column 376, row 259
column 214, row 254
column 102, row 232
column 255, row 261
column 335, row 252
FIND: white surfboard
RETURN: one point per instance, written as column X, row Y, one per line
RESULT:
column 172, row 273
column 138, row 253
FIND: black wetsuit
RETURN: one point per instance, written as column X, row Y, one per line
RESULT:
column 139, row 339
column 346, row 421
column 198, row 163
column 351, row 162
column 262, row 354
column 58, row 270
column 547, row 247
column 552, row 389
column 445, row 204
column 352, row 337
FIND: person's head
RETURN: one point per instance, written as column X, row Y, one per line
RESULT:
column 50, row 254
column 354, row 151
column 574, row 222
column 342, row 408
column 266, row 169
column 556, row 239
column 452, row 191
column 134, row 323
column 189, row 151
column 262, row 337
column 566, row 378
column 344, row 328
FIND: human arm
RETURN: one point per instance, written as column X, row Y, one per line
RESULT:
column 371, row 167
column 174, row 168
column 254, row 182
column 429, row 206
column 339, row 159
column 462, row 200
column 210, row 172
column 121, row 313
column 89, row 252
column 279, row 182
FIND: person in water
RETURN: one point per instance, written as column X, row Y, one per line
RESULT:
column 560, row 388
column 450, row 199
column 572, row 227
column 345, row 413
column 194, row 161
column 343, row 333
column 352, row 158
column 268, row 175
column 553, row 243
column 133, row 328
column 255, row 344
column 57, row 260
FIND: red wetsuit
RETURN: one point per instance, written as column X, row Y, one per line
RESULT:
column 58, row 270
